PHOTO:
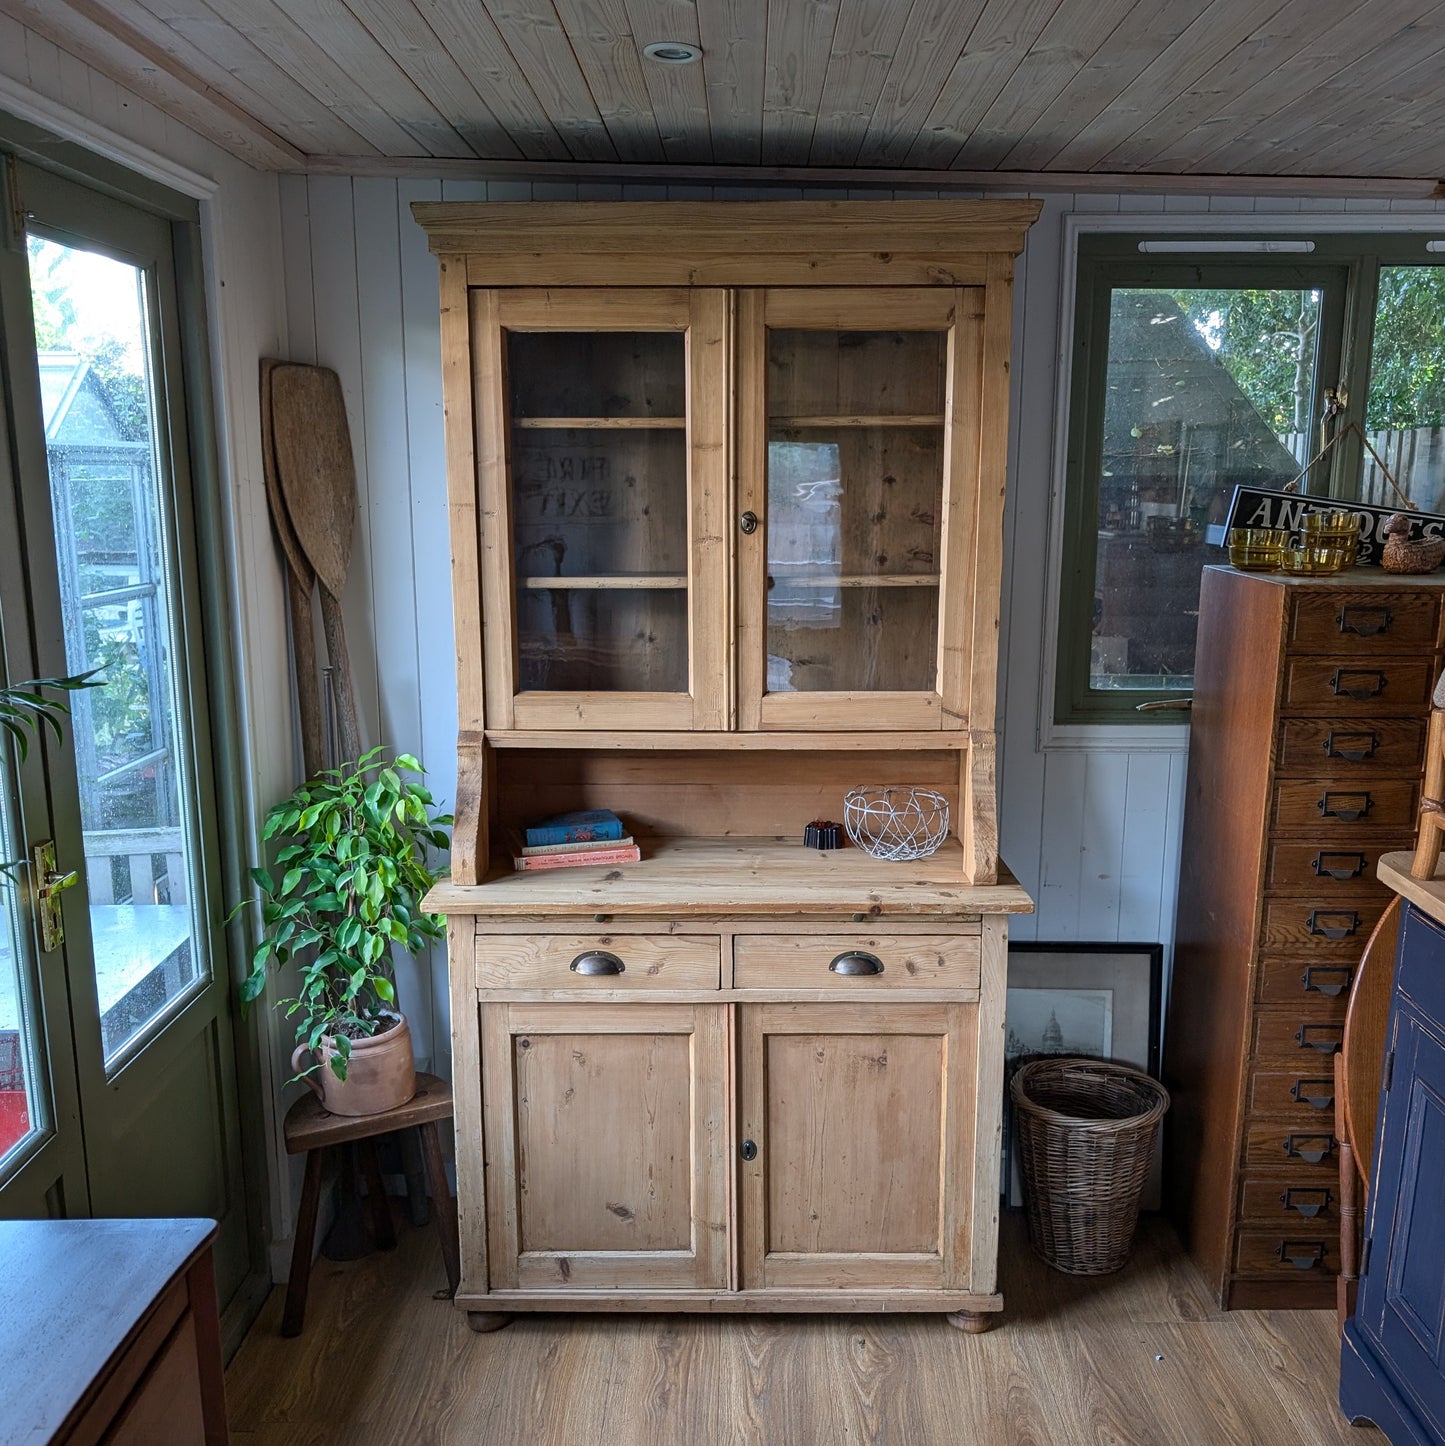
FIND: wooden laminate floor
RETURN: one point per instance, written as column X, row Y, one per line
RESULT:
column 1141, row 1358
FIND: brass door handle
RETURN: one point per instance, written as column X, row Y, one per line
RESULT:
column 49, row 884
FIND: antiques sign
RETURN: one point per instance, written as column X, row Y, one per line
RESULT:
column 1260, row 507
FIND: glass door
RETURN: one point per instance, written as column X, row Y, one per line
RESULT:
column 111, row 588
column 856, row 432
column 612, row 443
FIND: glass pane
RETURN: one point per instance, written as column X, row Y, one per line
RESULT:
column 97, row 389
column 855, row 501
column 20, row 1113
column 1405, row 416
column 1206, row 388
column 599, row 510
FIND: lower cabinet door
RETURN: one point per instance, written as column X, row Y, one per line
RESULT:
column 606, row 1134
column 856, row 1145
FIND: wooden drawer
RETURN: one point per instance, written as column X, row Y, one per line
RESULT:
column 1298, row 1148
column 1330, row 869
column 648, row 961
column 1369, row 685
column 801, row 961
column 1364, row 624
column 1324, row 930
column 1350, row 748
column 1292, row 980
column 1283, row 1204
column 1288, row 1252
column 1305, row 1095
column 1293, row 1035
column 1338, row 813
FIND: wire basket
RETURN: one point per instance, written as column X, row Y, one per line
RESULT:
column 1086, row 1130
column 896, row 823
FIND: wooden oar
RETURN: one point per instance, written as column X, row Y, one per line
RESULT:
column 300, row 578
column 318, row 482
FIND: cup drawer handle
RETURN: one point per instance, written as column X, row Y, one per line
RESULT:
column 1364, row 622
column 1335, row 805
column 1313, row 973
column 1352, row 747
column 1332, row 864
column 856, row 961
column 1308, row 1203
column 597, row 961
column 1302, row 1254
column 1326, row 1038
column 1309, row 1148
column 1346, row 922
column 1349, row 683
column 1318, row 1094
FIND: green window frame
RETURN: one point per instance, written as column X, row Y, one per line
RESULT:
column 1344, row 268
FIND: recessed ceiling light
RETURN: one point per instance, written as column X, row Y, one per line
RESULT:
column 672, row 52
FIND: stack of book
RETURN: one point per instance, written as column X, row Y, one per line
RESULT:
column 572, row 840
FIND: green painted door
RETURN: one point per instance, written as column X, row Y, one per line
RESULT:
column 102, row 493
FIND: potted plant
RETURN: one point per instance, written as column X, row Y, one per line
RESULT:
column 351, row 871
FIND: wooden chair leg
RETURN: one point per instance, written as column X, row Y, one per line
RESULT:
column 383, row 1232
column 294, row 1316
column 444, row 1210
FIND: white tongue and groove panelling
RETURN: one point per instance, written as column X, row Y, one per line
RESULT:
column 1093, row 834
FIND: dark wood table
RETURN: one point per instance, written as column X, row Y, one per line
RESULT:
column 109, row 1330
column 311, row 1129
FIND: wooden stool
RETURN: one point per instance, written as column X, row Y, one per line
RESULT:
column 313, row 1129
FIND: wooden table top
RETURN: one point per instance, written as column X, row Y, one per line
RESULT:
column 1427, row 894
column 71, row 1293
column 310, row 1125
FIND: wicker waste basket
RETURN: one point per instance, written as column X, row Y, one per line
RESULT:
column 1085, row 1130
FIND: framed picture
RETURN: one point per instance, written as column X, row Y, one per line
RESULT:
column 1098, row 1000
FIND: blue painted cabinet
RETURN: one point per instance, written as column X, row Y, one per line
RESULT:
column 1392, row 1364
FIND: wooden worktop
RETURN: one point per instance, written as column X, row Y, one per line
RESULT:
column 1427, row 894
column 753, row 876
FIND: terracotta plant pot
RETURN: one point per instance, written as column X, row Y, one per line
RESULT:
column 380, row 1074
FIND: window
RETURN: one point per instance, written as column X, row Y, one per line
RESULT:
column 1195, row 373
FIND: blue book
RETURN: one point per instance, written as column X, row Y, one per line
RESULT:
column 594, row 825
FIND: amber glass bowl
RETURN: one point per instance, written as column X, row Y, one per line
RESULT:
column 1333, row 529
column 1257, row 549
column 1317, row 558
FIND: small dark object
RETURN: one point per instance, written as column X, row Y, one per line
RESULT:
column 821, row 834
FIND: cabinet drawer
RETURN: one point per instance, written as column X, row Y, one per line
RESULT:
column 1292, row 980
column 1350, row 748
column 917, row 961
column 1307, row 1095
column 631, row 961
column 1300, row 1034
column 1369, row 685
column 1287, row 1252
column 1282, row 1204
column 1322, row 930
column 1334, row 810
column 1333, row 869
column 1302, row 1148
column 1364, row 624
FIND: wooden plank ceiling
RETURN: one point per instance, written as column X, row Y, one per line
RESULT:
column 1205, row 88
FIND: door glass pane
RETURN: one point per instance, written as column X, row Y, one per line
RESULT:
column 1405, row 415
column 855, row 502
column 20, row 1112
column 599, row 510
column 1206, row 388
column 97, row 391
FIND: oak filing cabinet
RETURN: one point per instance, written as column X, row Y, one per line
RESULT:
column 1307, row 747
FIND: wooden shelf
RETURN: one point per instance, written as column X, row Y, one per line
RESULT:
column 896, row 579
column 890, row 419
column 600, row 424
column 637, row 740
column 733, row 877
column 617, row 582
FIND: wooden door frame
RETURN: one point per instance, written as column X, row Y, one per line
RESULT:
column 958, row 312
column 701, row 315
column 707, row 1268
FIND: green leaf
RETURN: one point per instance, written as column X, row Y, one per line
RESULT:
column 384, row 990
column 292, row 878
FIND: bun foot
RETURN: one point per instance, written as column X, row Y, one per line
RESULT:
column 485, row 1321
column 975, row 1322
